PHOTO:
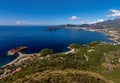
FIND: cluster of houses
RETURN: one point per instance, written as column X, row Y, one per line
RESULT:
column 13, row 70
column 8, row 72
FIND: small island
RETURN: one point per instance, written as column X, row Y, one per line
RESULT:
column 55, row 28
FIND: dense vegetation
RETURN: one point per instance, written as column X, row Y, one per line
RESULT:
column 75, row 46
column 46, row 52
column 1, row 72
column 62, row 76
column 89, row 59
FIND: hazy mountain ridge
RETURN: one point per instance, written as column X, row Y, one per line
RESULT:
column 115, row 24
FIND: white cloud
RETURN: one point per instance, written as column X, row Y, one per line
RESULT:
column 97, row 21
column 92, row 22
column 100, row 20
column 114, row 13
column 75, row 18
column 18, row 22
column 82, row 21
column 21, row 22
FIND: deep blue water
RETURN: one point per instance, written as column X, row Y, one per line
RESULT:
column 37, row 38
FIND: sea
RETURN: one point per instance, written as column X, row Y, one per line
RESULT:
column 37, row 38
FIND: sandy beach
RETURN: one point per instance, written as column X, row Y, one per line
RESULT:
column 71, row 51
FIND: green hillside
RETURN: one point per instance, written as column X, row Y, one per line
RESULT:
column 92, row 63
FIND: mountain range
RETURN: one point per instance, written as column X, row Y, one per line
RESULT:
column 114, row 24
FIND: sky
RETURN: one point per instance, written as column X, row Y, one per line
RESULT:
column 55, row 12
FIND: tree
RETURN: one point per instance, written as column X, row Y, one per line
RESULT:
column 46, row 52
column 75, row 46
column 1, row 72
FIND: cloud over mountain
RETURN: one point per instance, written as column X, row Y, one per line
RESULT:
column 97, row 21
column 114, row 13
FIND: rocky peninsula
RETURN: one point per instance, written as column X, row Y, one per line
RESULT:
column 16, row 50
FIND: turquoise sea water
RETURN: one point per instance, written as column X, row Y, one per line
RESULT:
column 37, row 38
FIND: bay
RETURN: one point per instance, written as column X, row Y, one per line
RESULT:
column 37, row 38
